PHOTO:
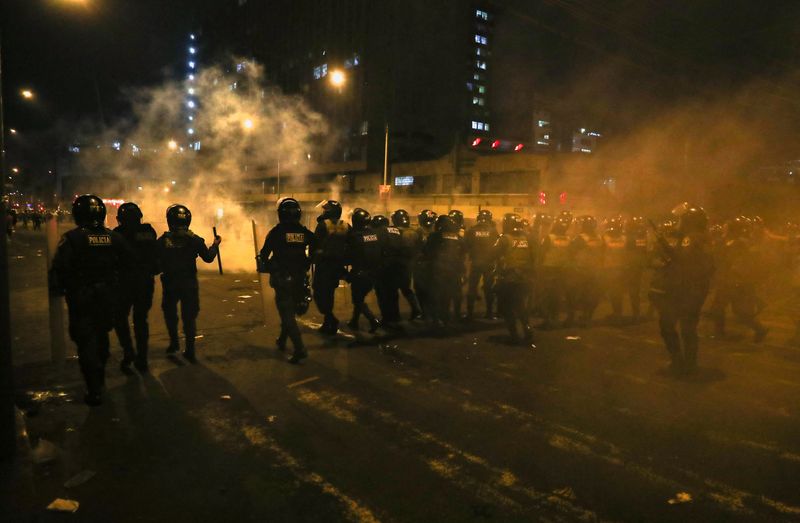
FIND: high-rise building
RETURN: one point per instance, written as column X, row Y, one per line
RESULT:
column 420, row 67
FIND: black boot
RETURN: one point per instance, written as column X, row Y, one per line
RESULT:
column 189, row 354
column 128, row 357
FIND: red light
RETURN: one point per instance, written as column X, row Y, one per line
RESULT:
column 495, row 144
column 543, row 198
column 476, row 142
column 519, row 147
column 562, row 198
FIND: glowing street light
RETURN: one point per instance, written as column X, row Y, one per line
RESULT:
column 337, row 78
column 27, row 94
column 247, row 124
column 172, row 144
column 12, row 131
column 15, row 170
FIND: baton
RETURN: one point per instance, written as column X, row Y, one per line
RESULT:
column 219, row 255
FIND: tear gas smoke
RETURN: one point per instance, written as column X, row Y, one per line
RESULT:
column 242, row 127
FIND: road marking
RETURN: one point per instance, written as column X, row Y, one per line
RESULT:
column 302, row 382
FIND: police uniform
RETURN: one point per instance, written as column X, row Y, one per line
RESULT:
column 680, row 286
column 736, row 286
column 615, row 262
column 330, row 260
column 364, row 256
column 423, row 277
column 86, row 269
column 445, row 253
column 636, row 260
column 391, row 274
column 586, row 290
column 555, row 260
column 137, row 291
column 178, row 251
column 412, row 247
column 515, row 253
column 480, row 240
column 285, row 251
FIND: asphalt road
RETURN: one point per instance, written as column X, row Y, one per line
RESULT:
column 583, row 426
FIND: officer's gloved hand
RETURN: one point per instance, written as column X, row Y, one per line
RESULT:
column 217, row 240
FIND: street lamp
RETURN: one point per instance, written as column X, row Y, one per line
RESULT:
column 247, row 124
column 12, row 131
column 27, row 94
column 172, row 144
column 338, row 78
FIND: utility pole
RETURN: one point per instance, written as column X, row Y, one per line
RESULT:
column 7, row 416
column 386, row 156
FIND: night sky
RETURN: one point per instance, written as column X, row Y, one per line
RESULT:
column 617, row 61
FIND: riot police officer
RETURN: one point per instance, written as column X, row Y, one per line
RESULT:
column 480, row 240
column 423, row 281
column 412, row 246
column 286, row 256
column 614, row 265
column 387, row 284
column 457, row 217
column 680, row 286
column 86, row 269
column 136, row 286
column 587, row 253
column 364, row 256
column 178, row 250
column 636, row 261
column 555, row 261
column 330, row 260
column 735, row 281
column 445, row 252
column 516, row 256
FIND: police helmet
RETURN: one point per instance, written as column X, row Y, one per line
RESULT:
column 380, row 220
column 484, row 216
column 360, row 218
column 668, row 228
column 587, row 224
column 179, row 217
column 613, row 225
column 561, row 225
column 457, row 217
column 289, row 211
column 129, row 212
column 88, row 210
column 542, row 220
column 444, row 223
column 738, row 227
column 426, row 218
column 400, row 218
column 331, row 209
column 692, row 219
column 634, row 225
column 511, row 223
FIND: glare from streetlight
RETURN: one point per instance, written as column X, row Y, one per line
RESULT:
column 15, row 170
column 27, row 94
column 247, row 124
column 337, row 78
column 172, row 144
column 12, row 131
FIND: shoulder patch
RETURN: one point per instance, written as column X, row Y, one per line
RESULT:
column 370, row 237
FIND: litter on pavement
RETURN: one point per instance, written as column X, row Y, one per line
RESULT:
column 63, row 505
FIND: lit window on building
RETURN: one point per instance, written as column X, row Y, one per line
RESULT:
column 241, row 66
column 116, row 146
column 483, row 15
column 478, row 77
column 480, row 39
column 469, row 86
column 364, row 128
column 546, row 137
column 75, row 149
column 480, row 64
column 403, row 181
column 320, row 71
column 486, row 127
column 477, row 100
column 543, row 123
column 481, row 89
